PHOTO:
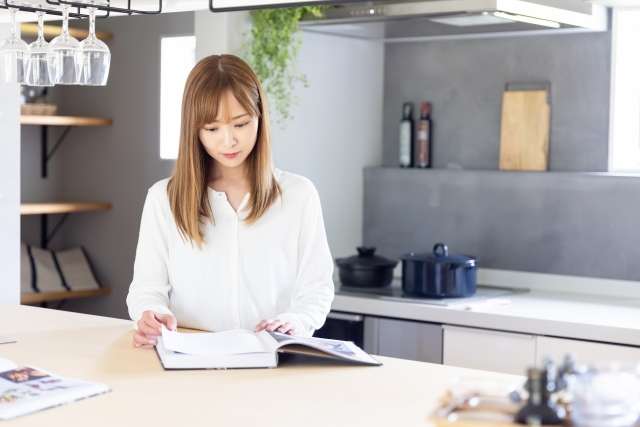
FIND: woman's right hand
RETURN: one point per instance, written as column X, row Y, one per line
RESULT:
column 150, row 326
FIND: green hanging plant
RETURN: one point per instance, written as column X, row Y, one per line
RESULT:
column 272, row 50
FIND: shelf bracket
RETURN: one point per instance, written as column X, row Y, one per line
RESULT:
column 45, row 236
column 45, row 153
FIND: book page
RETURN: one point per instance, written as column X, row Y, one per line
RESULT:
column 342, row 349
column 238, row 341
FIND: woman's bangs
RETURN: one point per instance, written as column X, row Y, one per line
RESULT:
column 208, row 105
column 247, row 100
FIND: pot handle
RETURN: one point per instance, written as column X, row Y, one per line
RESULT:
column 366, row 251
column 445, row 250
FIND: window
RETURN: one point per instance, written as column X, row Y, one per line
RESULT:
column 177, row 58
column 624, row 138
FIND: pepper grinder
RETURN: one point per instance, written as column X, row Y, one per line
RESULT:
column 540, row 410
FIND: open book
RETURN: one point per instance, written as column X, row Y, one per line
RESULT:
column 247, row 349
column 30, row 389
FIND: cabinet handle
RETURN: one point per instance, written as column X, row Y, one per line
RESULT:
column 489, row 332
column 345, row 316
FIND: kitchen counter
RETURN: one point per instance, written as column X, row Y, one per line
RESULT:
column 568, row 315
column 310, row 392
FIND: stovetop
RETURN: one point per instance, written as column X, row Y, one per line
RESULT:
column 394, row 293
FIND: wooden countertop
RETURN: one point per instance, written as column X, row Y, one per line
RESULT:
column 298, row 393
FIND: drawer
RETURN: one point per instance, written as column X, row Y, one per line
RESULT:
column 586, row 351
column 403, row 339
column 506, row 352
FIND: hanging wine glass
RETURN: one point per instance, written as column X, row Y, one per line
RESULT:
column 36, row 62
column 63, row 56
column 96, row 57
column 12, row 54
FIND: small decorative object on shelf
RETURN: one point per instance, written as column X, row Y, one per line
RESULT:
column 36, row 103
column 41, row 267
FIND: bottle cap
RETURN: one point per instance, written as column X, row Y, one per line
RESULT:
column 407, row 110
column 425, row 110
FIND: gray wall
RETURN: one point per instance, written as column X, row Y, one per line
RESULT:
column 464, row 80
column 115, row 164
column 560, row 223
column 556, row 222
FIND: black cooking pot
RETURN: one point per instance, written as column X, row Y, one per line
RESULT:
column 366, row 270
column 440, row 274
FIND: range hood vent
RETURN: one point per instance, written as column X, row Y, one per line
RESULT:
column 430, row 19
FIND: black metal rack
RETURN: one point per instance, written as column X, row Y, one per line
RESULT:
column 6, row 4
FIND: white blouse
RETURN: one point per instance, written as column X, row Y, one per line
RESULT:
column 278, row 267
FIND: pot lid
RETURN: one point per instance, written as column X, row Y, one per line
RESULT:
column 441, row 255
column 366, row 259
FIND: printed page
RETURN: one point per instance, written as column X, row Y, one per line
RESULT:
column 6, row 365
column 238, row 341
column 342, row 349
column 29, row 389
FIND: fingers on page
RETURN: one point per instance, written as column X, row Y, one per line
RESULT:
column 285, row 328
column 167, row 320
column 274, row 325
column 262, row 325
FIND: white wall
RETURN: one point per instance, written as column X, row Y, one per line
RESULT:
column 337, row 126
column 336, row 129
column 218, row 33
column 9, row 188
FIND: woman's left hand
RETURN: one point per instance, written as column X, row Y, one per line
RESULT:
column 275, row 325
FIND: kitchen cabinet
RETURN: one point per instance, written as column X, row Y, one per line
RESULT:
column 586, row 351
column 403, row 339
column 506, row 352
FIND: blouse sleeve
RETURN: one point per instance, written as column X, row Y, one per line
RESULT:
column 314, row 290
column 150, row 287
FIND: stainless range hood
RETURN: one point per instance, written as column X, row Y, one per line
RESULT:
column 431, row 19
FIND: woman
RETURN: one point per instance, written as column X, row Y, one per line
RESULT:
column 229, row 242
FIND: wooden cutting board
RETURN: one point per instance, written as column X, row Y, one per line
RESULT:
column 524, row 136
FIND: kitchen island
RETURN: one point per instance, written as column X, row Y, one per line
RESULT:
column 303, row 392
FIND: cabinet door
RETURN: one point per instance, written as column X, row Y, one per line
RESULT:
column 403, row 339
column 586, row 351
column 496, row 351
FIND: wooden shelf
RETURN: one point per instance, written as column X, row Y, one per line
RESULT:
column 39, row 297
column 64, row 121
column 51, row 31
column 61, row 207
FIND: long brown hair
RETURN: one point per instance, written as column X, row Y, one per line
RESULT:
column 206, row 85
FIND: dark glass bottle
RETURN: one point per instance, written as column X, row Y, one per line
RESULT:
column 406, row 136
column 423, row 141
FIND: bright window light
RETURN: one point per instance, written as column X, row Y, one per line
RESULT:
column 624, row 138
column 177, row 58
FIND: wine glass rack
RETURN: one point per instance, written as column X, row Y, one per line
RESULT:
column 79, row 6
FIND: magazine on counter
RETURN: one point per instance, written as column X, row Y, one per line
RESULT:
column 30, row 389
column 247, row 349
